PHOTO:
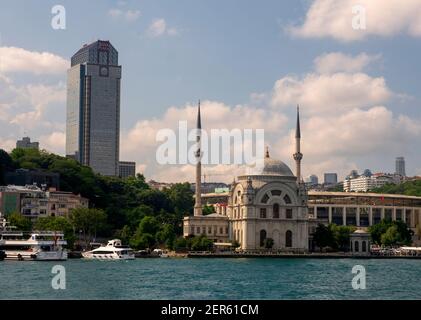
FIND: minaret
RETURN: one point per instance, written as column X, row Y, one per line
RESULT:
column 198, row 204
column 298, row 155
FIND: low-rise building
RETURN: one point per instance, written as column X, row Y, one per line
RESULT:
column 25, row 177
column 33, row 202
column 26, row 143
column 60, row 203
column 159, row 185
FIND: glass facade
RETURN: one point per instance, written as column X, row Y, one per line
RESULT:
column 93, row 108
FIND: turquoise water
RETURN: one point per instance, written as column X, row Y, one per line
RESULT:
column 212, row 279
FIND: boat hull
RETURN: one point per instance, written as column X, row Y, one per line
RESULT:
column 107, row 256
column 38, row 256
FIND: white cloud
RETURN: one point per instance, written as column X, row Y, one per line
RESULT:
column 38, row 97
column 338, row 142
column 338, row 62
column 330, row 92
column 54, row 142
column 30, row 107
column 139, row 143
column 159, row 28
column 128, row 15
column 332, row 18
column 14, row 59
column 7, row 144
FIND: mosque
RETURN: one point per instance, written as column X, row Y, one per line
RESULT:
column 264, row 209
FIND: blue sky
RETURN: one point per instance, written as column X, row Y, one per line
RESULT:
column 221, row 52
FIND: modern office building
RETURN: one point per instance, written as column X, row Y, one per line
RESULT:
column 93, row 108
column 312, row 180
column 400, row 166
column 330, row 178
column 127, row 169
column 26, row 143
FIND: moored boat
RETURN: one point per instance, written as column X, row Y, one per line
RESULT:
column 114, row 250
column 39, row 245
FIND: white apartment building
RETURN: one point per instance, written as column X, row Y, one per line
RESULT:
column 364, row 183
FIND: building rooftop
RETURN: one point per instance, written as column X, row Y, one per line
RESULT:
column 361, row 194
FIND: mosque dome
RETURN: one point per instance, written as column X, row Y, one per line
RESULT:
column 275, row 167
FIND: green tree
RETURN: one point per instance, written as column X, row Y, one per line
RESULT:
column 377, row 230
column 6, row 164
column 341, row 236
column 180, row 243
column 20, row 222
column 142, row 240
column 166, row 236
column 88, row 221
column 207, row 210
column 135, row 215
column 149, row 225
column 201, row 243
column 403, row 236
column 268, row 243
column 57, row 224
column 323, row 237
column 124, row 234
column 391, row 236
column 409, row 188
column 181, row 198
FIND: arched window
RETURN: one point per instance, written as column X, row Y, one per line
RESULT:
column 357, row 246
column 265, row 198
column 287, row 199
column 276, row 211
column 363, row 246
column 262, row 237
column 276, row 192
column 288, row 239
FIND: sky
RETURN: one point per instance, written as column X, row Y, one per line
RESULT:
column 250, row 63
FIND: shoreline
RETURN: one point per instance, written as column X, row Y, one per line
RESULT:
column 299, row 256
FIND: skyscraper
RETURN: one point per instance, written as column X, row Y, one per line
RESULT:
column 330, row 178
column 400, row 166
column 93, row 108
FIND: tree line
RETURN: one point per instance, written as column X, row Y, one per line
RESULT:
column 126, row 208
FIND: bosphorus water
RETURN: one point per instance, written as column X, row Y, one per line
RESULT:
column 261, row 278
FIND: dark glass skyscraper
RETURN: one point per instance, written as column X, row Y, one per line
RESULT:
column 400, row 166
column 93, row 108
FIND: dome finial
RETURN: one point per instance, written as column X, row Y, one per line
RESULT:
column 267, row 152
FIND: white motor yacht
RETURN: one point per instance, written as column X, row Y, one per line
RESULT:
column 114, row 250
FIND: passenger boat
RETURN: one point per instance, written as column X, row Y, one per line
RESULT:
column 39, row 245
column 114, row 250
